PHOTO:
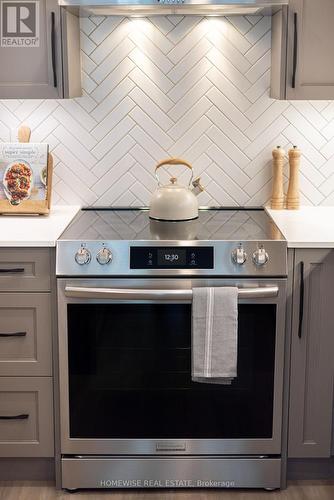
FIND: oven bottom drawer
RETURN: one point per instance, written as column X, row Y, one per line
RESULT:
column 170, row 472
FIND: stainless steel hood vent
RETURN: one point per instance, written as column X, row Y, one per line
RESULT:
column 141, row 8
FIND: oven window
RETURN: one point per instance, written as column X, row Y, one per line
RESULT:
column 130, row 374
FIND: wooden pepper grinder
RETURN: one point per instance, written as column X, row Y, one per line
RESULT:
column 292, row 198
column 24, row 134
column 277, row 199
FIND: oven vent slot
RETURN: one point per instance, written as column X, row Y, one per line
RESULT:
column 171, row 446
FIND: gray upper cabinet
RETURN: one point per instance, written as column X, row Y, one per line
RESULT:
column 312, row 354
column 304, row 32
column 39, row 51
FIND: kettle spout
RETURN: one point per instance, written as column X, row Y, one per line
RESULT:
column 198, row 188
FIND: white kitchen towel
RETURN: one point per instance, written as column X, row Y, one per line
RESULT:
column 214, row 334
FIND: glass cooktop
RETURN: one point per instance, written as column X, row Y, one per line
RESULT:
column 135, row 224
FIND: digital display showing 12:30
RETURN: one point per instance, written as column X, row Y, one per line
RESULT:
column 145, row 257
column 172, row 257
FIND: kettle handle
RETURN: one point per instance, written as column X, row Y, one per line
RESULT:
column 174, row 161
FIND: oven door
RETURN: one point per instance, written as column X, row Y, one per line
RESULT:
column 125, row 370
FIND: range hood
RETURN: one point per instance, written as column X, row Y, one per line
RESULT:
column 169, row 7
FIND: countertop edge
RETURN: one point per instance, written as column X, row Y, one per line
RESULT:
column 318, row 244
column 29, row 244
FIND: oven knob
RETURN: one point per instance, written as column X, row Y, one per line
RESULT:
column 260, row 257
column 83, row 256
column 104, row 256
column 239, row 256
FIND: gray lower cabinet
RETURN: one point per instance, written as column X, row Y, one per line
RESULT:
column 312, row 355
column 26, row 417
column 25, row 334
column 39, row 51
column 304, row 33
column 26, row 383
column 25, row 270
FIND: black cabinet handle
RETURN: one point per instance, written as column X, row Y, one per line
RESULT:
column 22, row 416
column 15, row 334
column 53, row 48
column 301, row 300
column 295, row 50
column 12, row 270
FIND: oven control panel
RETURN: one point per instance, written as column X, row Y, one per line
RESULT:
column 171, row 257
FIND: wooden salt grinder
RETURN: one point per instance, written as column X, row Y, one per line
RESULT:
column 277, row 199
column 292, row 199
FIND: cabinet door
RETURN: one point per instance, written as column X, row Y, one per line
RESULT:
column 26, row 417
column 39, row 50
column 25, row 269
column 25, row 334
column 310, row 50
column 312, row 354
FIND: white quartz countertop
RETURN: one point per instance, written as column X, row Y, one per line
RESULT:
column 308, row 227
column 35, row 230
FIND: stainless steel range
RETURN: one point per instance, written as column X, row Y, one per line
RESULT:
column 130, row 414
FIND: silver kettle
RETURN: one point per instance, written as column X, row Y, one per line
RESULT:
column 174, row 202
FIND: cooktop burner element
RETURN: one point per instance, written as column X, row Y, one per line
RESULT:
column 121, row 242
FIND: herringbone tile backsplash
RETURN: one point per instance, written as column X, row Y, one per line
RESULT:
column 191, row 87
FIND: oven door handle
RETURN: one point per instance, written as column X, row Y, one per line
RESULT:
column 155, row 294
